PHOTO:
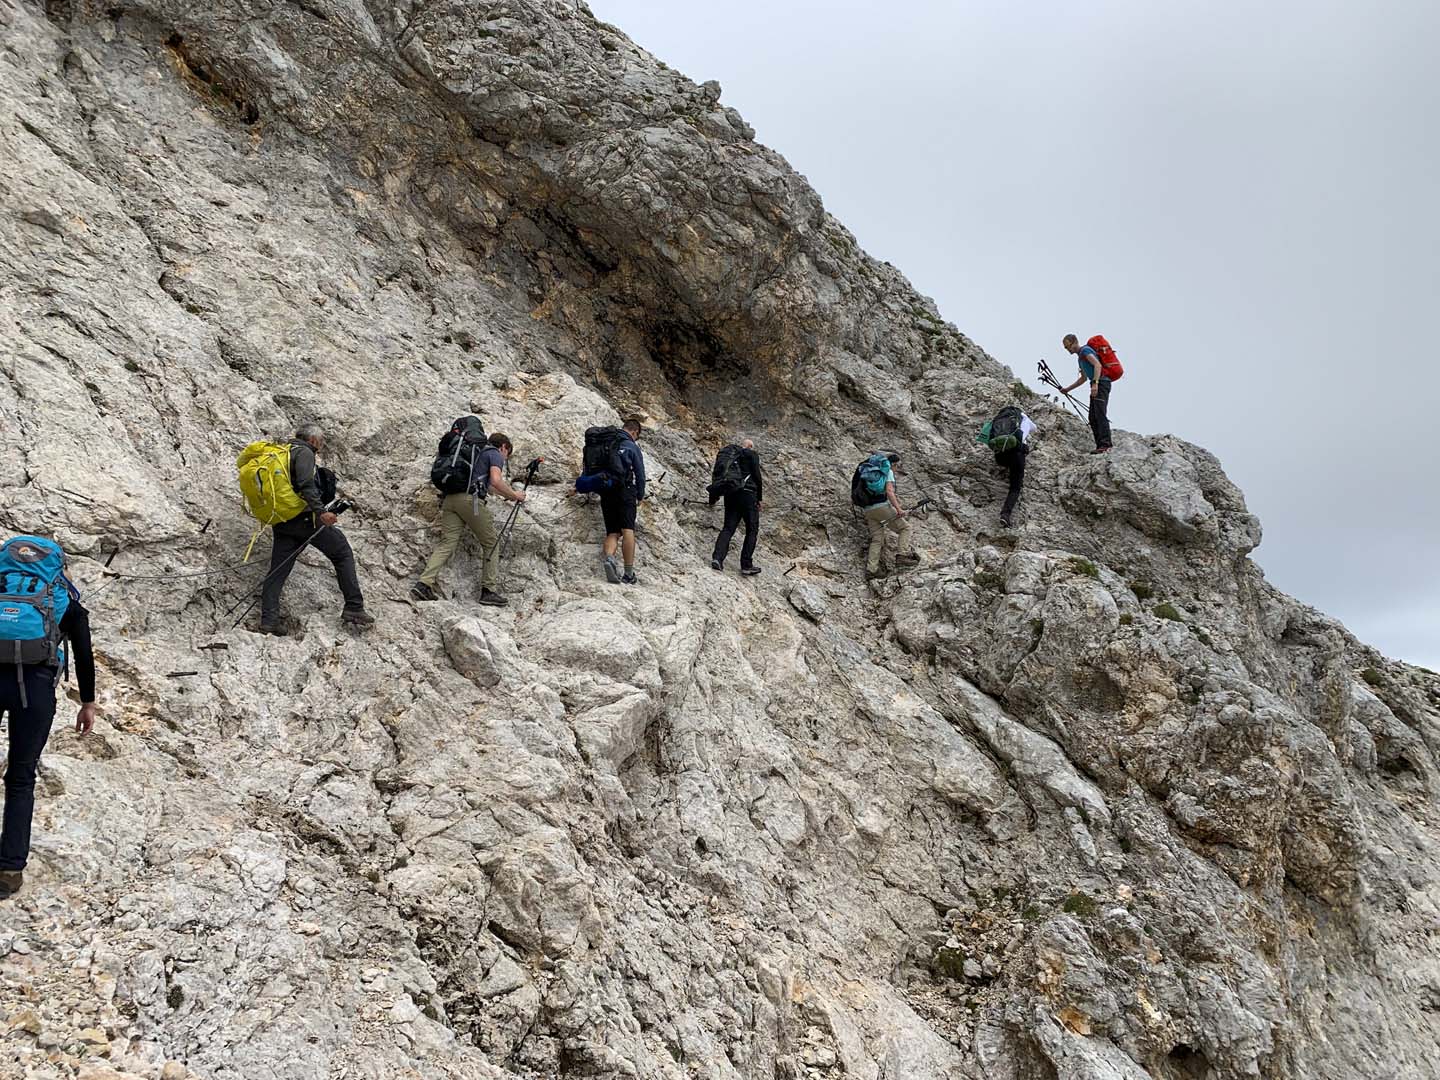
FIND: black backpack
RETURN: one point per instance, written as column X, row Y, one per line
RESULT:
column 729, row 476
column 602, row 453
column 458, row 456
column 1005, row 433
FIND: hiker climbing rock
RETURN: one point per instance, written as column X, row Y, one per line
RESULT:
column 285, row 490
column 872, row 488
column 40, row 612
column 481, row 471
column 736, row 478
column 1008, row 436
column 614, row 468
column 1100, row 367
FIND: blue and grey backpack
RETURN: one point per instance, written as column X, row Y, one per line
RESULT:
column 34, row 595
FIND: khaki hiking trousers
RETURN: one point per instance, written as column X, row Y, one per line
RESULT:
column 457, row 513
column 877, row 520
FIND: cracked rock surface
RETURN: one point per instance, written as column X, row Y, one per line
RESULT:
column 1084, row 799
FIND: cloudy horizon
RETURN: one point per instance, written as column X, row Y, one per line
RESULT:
column 1241, row 201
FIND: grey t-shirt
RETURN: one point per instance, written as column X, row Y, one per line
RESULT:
column 490, row 456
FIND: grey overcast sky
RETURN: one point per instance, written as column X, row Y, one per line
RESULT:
column 1242, row 197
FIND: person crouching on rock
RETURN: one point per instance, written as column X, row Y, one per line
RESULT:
column 39, row 612
column 462, row 511
column 1008, row 436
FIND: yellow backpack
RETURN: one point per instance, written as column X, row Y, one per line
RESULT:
column 265, row 483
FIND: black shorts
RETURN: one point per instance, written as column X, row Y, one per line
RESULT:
column 618, row 510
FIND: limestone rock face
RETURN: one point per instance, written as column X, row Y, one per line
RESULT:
column 1085, row 799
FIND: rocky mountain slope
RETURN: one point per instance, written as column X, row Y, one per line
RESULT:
column 1084, row 800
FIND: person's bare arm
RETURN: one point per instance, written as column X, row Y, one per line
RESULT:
column 894, row 500
column 497, row 483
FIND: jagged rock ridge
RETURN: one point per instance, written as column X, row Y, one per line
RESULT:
column 1087, row 800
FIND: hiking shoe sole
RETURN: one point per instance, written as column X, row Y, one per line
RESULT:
column 750, row 571
column 421, row 591
column 493, row 599
column 630, row 579
column 358, row 619
column 273, row 631
column 612, row 573
column 716, row 564
column 11, row 882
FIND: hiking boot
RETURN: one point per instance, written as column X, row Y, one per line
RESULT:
column 421, row 591
column 273, row 629
column 630, row 578
column 1100, row 450
column 716, row 564
column 612, row 572
column 492, row 599
column 907, row 560
column 10, row 882
column 749, row 571
column 360, row 619
column 1005, row 520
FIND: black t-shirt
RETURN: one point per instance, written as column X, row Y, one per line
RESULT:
column 75, row 626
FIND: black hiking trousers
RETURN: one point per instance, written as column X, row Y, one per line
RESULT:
column 739, row 507
column 28, row 727
column 1014, row 463
column 289, row 537
column 1100, row 415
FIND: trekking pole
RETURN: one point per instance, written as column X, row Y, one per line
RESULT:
column 337, row 507
column 260, row 585
column 1048, row 378
column 508, row 529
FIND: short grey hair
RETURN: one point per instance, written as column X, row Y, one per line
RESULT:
column 745, row 444
column 306, row 432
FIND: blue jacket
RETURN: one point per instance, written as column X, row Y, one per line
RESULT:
column 632, row 466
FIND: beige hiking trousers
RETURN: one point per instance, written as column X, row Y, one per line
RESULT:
column 877, row 520
column 457, row 513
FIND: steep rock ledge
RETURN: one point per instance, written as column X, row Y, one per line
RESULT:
column 1086, row 800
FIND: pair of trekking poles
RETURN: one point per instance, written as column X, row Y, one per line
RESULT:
column 507, row 530
column 1048, row 378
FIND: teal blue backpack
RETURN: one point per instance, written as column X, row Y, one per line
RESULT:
column 867, row 486
column 34, row 595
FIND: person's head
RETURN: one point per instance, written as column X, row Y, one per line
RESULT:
column 502, row 443
column 632, row 426
column 747, row 444
column 311, row 435
column 892, row 457
column 1071, row 343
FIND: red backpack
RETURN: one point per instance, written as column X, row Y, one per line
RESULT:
column 1109, row 362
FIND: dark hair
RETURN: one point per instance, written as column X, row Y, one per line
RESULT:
column 633, row 425
column 501, row 441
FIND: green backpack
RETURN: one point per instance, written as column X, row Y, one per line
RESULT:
column 1003, row 432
